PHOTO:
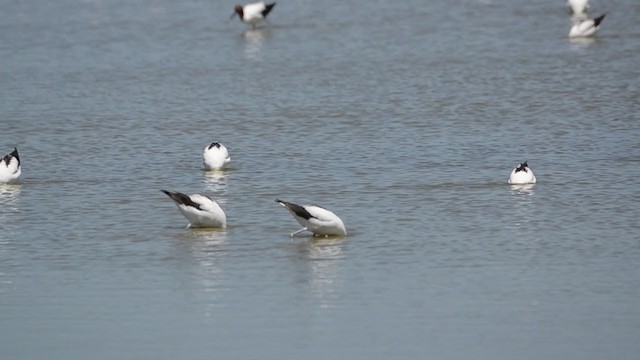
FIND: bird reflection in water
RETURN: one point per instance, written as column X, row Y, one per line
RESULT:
column 254, row 39
column 579, row 43
column 206, row 246
column 523, row 190
column 324, row 257
column 9, row 211
column 10, row 196
column 523, row 206
column 215, row 181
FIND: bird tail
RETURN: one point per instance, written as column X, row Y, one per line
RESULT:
column 598, row 20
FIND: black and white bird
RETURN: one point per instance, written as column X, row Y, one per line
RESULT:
column 253, row 13
column 10, row 168
column 522, row 175
column 200, row 210
column 215, row 156
column 585, row 28
column 315, row 219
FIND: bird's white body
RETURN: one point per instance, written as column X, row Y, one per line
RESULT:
column 315, row 219
column 253, row 13
column 200, row 210
column 215, row 157
column 10, row 168
column 522, row 175
column 579, row 7
column 584, row 28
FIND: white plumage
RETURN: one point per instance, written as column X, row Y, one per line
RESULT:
column 522, row 175
column 200, row 210
column 315, row 219
column 215, row 156
column 253, row 13
column 578, row 7
column 584, row 28
column 10, row 168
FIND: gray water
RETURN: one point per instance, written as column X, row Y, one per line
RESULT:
column 405, row 118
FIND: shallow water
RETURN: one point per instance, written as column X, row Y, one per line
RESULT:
column 403, row 118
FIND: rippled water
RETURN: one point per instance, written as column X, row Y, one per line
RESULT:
column 405, row 118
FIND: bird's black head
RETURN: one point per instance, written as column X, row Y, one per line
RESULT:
column 237, row 10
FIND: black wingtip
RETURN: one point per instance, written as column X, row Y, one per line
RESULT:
column 598, row 20
column 285, row 203
column 182, row 199
column 298, row 210
column 522, row 167
column 268, row 8
column 176, row 196
column 14, row 153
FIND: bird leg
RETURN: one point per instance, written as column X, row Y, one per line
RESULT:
column 298, row 232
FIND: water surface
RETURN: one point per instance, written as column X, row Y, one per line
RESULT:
column 404, row 118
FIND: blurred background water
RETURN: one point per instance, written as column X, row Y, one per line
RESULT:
column 405, row 118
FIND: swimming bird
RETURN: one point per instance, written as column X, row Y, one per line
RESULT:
column 10, row 168
column 522, row 175
column 215, row 156
column 200, row 210
column 586, row 28
column 253, row 13
column 315, row 219
column 579, row 7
